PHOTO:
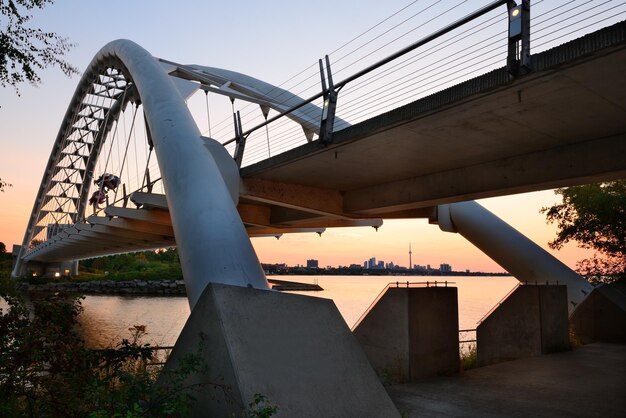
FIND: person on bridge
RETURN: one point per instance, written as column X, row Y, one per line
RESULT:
column 96, row 198
column 107, row 181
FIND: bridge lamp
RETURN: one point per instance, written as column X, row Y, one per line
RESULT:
column 57, row 274
column 515, row 23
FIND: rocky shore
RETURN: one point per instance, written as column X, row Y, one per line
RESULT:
column 142, row 287
column 129, row 287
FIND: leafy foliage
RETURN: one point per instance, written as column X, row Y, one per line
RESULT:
column 146, row 265
column 261, row 407
column 25, row 50
column 594, row 216
column 46, row 370
column 3, row 184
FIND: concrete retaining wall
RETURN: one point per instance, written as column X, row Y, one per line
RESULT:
column 411, row 333
column 531, row 321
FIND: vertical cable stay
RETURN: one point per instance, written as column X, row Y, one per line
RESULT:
column 136, row 156
column 208, row 114
column 132, row 125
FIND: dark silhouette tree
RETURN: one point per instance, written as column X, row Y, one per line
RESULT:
column 25, row 50
column 594, row 216
column 3, row 184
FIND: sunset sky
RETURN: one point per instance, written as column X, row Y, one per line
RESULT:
column 268, row 40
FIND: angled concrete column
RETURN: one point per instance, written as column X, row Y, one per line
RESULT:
column 521, row 257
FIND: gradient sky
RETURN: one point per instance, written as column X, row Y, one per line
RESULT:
column 268, row 40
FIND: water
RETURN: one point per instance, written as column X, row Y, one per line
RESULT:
column 106, row 319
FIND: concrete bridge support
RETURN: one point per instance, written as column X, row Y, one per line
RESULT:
column 530, row 321
column 295, row 350
column 411, row 333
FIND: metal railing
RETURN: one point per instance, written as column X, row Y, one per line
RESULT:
column 469, row 46
column 518, row 61
column 400, row 285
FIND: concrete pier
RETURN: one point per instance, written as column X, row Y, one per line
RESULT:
column 532, row 320
column 295, row 350
column 411, row 332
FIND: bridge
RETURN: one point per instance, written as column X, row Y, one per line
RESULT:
column 132, row 170
column 545, row 120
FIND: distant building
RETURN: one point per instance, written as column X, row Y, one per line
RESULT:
column 381, row 264
column 445, row 268
column 312, row 264
column 371, row 263
column 365, row 264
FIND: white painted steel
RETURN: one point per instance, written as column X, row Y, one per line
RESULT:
column 517, row 254
column 212, row 242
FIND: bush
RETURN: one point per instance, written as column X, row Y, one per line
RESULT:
column 46, row 370
column 469, row 357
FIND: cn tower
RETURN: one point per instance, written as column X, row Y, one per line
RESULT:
column 410, row 258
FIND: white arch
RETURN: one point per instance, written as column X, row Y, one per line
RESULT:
column 212, row 241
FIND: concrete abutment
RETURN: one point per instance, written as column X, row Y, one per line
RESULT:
column 411, row 333
column 532, row 320
column 295, row 350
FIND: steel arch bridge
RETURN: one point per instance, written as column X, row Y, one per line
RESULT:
column 190, row 196
column 191, row 168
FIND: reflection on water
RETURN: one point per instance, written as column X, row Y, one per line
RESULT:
column 106, row 319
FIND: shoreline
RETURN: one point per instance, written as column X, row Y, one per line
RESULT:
column 142, row 287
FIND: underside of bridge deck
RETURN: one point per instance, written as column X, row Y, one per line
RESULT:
column 562, row 124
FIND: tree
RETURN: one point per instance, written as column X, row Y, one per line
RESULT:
column 25, row 50
column 3, row 184
column 594, row 216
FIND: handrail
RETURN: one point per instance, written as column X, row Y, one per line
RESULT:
column 338, row 86
column 399, row 285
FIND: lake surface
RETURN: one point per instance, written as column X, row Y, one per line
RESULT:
column 106, row 319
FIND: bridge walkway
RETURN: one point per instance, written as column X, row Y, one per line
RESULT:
column 589, row 381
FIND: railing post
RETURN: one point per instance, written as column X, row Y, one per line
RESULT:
column 518, row 58
column 330, row 104
column 241, row 140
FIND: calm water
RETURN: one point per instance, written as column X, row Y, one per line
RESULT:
column 106, row 319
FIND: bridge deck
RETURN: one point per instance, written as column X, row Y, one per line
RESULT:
column 562, row 124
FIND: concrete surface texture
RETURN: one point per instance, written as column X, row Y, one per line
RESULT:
column 295, row 350
column 383, row 335
column 530, row 321
column 602, row 316
column 412, row 332
column 586, row 382
column 433, row 331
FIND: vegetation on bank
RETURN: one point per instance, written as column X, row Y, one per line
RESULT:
column 146, row 265
column 46, row 369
